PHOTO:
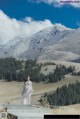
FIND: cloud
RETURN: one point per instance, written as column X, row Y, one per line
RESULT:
column 59, row 3
column 10, row 28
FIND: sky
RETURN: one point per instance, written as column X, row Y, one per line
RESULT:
column 19, row 9
column 20, row 17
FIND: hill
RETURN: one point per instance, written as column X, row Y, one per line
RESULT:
column 52, row 43
column 11, row 91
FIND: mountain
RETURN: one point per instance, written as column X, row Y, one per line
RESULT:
column 54, row 43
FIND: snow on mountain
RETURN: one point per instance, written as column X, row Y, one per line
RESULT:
column 48, row 36
column 15, row 47
column 56, row 42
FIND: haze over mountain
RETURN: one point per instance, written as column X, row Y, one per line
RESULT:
column 54, row 43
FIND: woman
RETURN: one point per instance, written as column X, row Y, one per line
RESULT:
column 27, row 91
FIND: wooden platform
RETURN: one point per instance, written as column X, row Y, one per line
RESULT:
column 27, row 112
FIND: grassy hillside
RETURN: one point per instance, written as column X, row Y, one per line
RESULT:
column 67, row 64
column 11, row 91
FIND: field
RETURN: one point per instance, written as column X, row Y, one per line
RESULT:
column 10, row 92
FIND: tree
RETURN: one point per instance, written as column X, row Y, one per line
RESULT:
column 66, row 95
column 9, row 76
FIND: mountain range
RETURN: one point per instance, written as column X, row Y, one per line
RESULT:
column 53, row 43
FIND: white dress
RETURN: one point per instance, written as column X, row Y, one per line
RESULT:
column 26, row 93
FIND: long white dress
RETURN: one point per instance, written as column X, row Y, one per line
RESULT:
column 26, row 93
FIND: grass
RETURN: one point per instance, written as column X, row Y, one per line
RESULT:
column 11, row 91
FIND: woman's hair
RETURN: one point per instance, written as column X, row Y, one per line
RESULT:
column 26, row 79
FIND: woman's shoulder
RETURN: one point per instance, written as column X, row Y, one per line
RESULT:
column 31, row 82
column 28, row 82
